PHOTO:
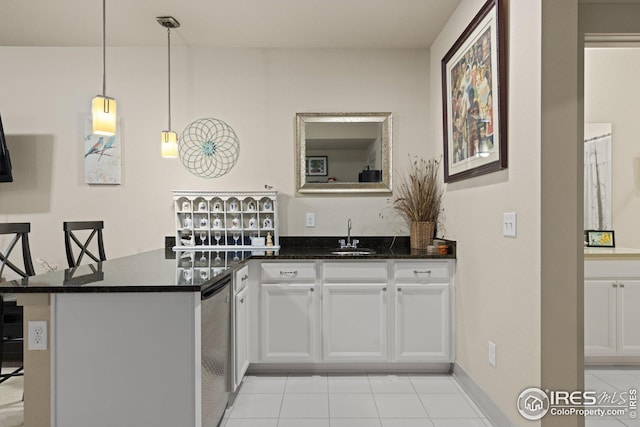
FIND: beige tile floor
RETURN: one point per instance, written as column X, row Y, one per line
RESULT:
column 612, row 379
column 359, row 401
column 353, row 401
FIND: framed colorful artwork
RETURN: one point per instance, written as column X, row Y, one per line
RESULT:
column 474, row 97
column 102, row 156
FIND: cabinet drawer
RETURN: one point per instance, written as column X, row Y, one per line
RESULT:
column 421, row 271
column 290, row 271
column 241, row 279
column 355, row 271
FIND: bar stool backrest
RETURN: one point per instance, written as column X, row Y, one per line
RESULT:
column 72, row 240
column 20, row 231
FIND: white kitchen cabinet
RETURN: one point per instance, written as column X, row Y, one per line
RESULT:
column 240, row 325
column 600, row 317
column 289, row 312
column 355, row 322
column 275, row 272
column 422, row 322
column 353, row 311
column 241, row 335
column 628, row 305
column 612, row 311
column 288, row 322
column 423, row 312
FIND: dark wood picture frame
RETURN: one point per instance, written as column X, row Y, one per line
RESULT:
column 600, row 238
column 474, row 97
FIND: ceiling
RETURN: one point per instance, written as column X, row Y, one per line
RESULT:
column 227, row 23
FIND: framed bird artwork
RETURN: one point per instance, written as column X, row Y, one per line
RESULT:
column 102, row 156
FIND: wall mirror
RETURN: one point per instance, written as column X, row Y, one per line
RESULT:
column 343, row 152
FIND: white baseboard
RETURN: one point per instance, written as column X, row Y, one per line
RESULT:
column 347, row 367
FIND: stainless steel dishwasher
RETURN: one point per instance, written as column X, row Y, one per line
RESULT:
column 216, row 350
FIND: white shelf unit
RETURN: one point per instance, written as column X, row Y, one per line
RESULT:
column 225, row 220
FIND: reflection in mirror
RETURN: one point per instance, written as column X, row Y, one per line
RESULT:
column 343, row 152
column 597, row 176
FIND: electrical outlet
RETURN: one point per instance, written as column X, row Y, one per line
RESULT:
column 37, row 339
column 509, row 224
column 492, row 354
column 311, row 219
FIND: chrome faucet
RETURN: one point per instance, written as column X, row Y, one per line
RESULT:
column 348, row 243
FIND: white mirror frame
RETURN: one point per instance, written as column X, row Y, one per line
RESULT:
column 302, row 186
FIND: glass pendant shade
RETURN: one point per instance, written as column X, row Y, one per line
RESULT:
column 103, row 108
column 169, row 144
column 104, row 115
column 169, row 147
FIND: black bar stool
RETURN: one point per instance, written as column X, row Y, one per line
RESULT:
column 95, row 228
column 10, row 313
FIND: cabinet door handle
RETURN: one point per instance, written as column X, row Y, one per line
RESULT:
column 384, row 289
column 622, row 285
column 615, row 285
column 245, row 277
column 311, row 289
column 421, row 271
column 399, row 289
column 292, row 274
column 242, row 300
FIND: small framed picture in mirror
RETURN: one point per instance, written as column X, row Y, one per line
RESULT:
column 601, row 238
column 317, row 166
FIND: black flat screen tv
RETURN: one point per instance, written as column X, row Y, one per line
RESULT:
column 5, row 160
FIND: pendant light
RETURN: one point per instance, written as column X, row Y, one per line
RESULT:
column 169, row 138
column 103, row 108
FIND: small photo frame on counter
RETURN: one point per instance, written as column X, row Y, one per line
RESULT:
column 600, row 238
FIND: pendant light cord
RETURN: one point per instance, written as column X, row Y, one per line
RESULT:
column 169, row 73
column 104, row 48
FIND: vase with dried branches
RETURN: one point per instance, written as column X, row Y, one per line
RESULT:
column 418, row 199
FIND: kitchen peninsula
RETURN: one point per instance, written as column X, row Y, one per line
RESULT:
column 127, row 337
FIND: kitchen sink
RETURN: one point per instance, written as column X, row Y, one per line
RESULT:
column 353, row 251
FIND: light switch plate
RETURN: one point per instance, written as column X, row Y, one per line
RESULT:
column 492, row 354
column 311, row 219
column 510, row 224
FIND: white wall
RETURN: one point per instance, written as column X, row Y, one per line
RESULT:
column 511, row 290
column 612, row 97
column 498, row 278
column 46, row 92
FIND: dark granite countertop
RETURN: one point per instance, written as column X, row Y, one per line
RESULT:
column 384, row 247
column 162, row 270
column 153, row 271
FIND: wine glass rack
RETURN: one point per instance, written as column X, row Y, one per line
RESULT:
column 226, row 220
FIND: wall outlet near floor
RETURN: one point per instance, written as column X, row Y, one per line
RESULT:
column 37, row 339
column 310, row 219
column 492, row 354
